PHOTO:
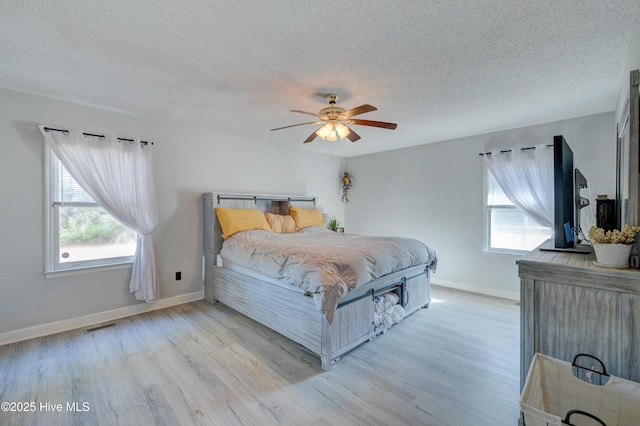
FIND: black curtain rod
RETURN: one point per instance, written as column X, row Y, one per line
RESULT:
column 66, row 132
column 482, row 154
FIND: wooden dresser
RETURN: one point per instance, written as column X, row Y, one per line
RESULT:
column 570, row 306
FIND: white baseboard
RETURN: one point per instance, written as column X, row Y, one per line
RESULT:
column 99, row 317
column 487, row 291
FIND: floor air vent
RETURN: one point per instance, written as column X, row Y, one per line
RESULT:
column 100, row 327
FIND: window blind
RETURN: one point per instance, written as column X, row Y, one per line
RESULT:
column 67, row 190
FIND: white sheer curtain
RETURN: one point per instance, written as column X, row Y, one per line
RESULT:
column 526, row 177
column 118, row 175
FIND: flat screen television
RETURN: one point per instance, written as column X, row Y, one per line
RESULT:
column 564, row 216
column 567, row 182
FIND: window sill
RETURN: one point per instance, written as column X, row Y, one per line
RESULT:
column 87, row 269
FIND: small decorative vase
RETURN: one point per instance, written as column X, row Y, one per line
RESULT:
column 612, row 255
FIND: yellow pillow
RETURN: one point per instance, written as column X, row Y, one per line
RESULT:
column 233, row 221
column 281, row 224
column 306, row 217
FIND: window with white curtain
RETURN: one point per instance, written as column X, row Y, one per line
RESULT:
column 81, row 233
column 508, row 228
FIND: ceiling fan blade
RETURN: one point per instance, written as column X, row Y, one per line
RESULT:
column 353, row 136
column 299, row 124
column 359, row 110
column 305, row 112
column 311, row 137
column 381, row 124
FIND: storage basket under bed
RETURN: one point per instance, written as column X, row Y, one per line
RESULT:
column 551, row 391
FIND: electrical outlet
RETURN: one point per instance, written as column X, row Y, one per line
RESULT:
column 178, row 276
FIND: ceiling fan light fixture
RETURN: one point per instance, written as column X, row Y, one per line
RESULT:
column 342, row 130
column 327, row 132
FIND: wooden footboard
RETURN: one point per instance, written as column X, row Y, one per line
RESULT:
column 295, row 315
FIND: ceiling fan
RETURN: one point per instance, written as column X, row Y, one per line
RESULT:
column 335, row 121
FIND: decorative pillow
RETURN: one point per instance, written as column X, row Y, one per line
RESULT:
column 233, row 221
column 281, row 224
column 306, row 217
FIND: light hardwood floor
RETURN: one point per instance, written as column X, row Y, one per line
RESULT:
column 456, row 363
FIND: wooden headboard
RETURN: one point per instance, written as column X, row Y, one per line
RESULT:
column 277, row 204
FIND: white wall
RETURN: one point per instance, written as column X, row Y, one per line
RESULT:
column 187, row 162
column 434, row 193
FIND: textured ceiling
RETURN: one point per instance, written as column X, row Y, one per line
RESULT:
column 441, row 69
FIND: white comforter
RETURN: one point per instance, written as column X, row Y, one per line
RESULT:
column 324, row 263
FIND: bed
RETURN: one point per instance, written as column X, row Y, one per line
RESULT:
column 321, row 310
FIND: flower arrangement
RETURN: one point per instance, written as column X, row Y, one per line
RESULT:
column 626, row 236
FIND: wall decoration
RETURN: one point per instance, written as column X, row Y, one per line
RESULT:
column 347, row 181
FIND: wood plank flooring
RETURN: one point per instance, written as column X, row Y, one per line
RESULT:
column 456, row 363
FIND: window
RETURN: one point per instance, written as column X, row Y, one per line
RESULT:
column 81, row 233
column 508, row 228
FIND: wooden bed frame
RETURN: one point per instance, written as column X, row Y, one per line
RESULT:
column 287, row 310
